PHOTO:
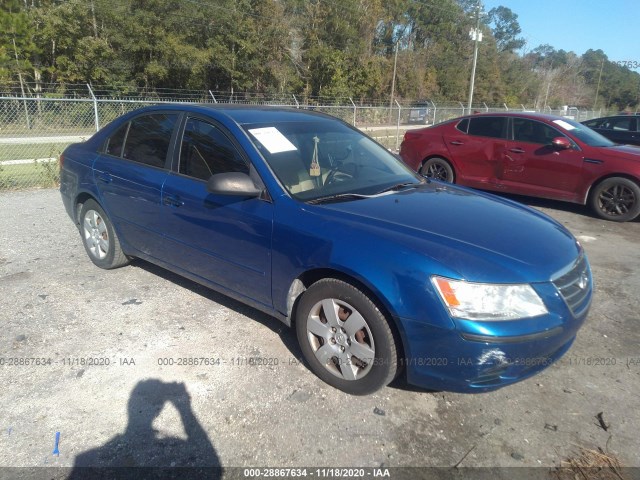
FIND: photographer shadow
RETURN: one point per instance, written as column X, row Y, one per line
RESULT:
column 140, row 452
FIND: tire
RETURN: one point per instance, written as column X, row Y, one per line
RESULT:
column 438, row 169
column 357, row 356
column 99, row 238
column 616, row 199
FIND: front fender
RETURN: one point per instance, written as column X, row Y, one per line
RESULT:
column 398, row 276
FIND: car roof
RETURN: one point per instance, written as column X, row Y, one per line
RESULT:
column 532, row 115
column 244, row 114
column 618, row 115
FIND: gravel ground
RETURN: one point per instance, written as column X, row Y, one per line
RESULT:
column 105, row 341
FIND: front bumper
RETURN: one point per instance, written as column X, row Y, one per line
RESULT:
column 475, row 357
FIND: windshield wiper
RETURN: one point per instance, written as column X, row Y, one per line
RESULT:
column 338, row 197
column 399, row 186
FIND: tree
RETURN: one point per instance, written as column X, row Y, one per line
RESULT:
column 505, row 27
column 343, row 48
column 17, row 48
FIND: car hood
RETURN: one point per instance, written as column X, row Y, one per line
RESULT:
column 467, row 234
column 623, row 152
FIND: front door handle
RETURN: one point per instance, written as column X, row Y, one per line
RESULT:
column 457, row 142
column 172, row 201
column 516, row 150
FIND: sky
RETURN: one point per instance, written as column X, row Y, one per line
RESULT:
column 578, row 25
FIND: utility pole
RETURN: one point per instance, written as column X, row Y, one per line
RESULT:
column 393, row 79
column 24, row 100
column 595, row 100
column 546, row 97
column 476, row 36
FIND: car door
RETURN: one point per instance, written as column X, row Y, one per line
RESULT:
column 534, row 166
column 477, row 145
column 223, row 239
column 619, row 129
column 129, row 174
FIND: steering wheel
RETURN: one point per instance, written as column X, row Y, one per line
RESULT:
column 335, row 175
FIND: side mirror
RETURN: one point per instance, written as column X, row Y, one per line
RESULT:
column 233, row 183
column 561, row 143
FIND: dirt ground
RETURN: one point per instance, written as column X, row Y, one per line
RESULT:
column 111, row 368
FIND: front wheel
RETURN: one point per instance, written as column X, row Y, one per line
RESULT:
column 438, row 169
column 345, row 338
column 616, row 199
column 99, row 238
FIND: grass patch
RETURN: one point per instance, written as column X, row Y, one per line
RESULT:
column 38, row 174
column 31, row 151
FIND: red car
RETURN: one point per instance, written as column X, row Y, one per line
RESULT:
column 530, row 154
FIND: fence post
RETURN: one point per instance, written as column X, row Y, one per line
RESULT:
column 95, row 107
column 212, row 96
column 435, row 112
column 486, row 109
column 295, row 100
column 26, row 111
column 354, row 111
column 398, row 125
column 462, row 105
column 505, row 107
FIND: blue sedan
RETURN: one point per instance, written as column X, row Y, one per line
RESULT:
column 301, row 216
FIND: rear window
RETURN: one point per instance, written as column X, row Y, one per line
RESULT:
column 144, row 139
column 148, row 139
column 495, row 127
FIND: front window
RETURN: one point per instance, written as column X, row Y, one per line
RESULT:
column 525, row 130
column 324, row 158
column 206, row 151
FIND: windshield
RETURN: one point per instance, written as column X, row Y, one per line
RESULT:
column 583, row 133
column 324, row 158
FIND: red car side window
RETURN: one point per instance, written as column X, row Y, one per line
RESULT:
column 494, row 127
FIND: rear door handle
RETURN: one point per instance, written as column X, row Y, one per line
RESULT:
column 516, row 150
column 105, row 178
column 456, row 142
column 172, row 201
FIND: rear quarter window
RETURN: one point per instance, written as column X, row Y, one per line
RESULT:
column 116, row 141
column 463, row 125
column 593, row 123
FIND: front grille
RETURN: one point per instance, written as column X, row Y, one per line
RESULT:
column 575, row 286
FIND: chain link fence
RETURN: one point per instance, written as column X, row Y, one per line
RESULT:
column 34, row 130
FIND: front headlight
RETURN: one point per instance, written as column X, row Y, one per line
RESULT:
column 485, row 301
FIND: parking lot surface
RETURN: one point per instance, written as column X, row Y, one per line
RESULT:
column 139, row 366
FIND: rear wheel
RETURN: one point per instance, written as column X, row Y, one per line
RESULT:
column 99, row 238
column 438, row 169
column 616, row 199
column 345, row 338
